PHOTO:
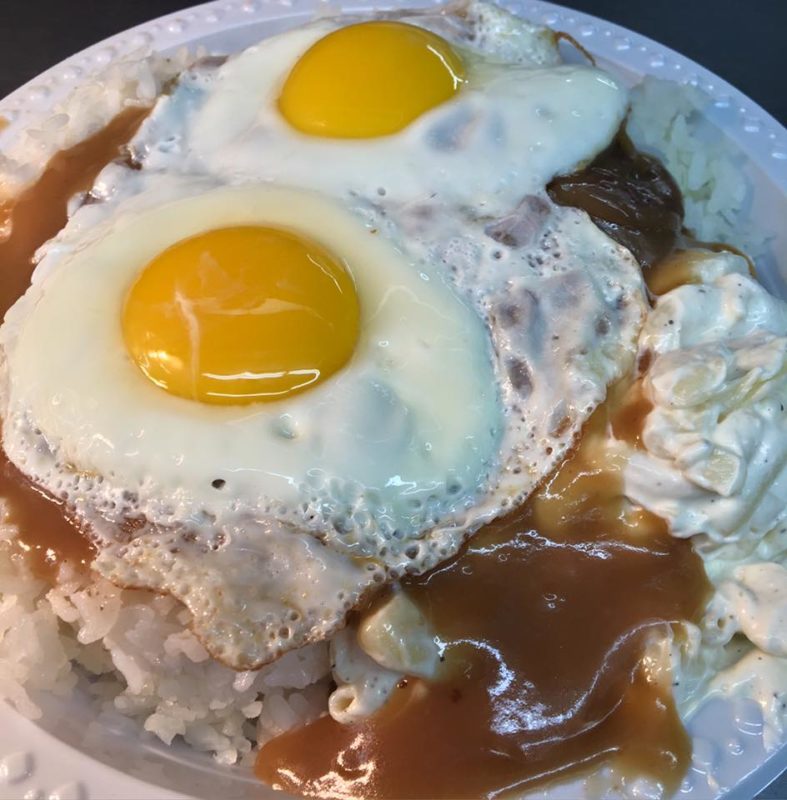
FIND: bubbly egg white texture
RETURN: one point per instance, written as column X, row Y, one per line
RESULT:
column 521, row 118
column 492, row 323
column 386, row 421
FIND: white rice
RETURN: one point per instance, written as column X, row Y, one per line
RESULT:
column 135, row 654
column 669, row 121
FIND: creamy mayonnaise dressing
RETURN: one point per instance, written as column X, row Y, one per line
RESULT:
column 713, row 463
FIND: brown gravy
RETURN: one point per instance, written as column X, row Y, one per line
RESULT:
column 628, row 409
column 39, row 212
column 46, row 535
column 685, row 265
column 677, row 269
column 630, row 196
column 544, row 616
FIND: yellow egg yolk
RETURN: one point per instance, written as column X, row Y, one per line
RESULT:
column 240, row 315
column 370, row 79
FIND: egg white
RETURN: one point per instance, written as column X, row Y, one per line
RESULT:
column 521, row 118
column 386, row 423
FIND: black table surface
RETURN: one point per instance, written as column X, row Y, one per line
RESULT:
column 742, row 42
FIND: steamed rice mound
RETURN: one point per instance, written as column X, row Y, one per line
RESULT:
column 133, row 651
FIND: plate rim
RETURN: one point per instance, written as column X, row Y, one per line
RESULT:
column 764, row 141
column 171, row 31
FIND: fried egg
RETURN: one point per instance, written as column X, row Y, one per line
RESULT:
column 509, row 118
column 299, row 351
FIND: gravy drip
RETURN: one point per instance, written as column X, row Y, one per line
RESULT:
column 543, row 619
column 629, row 408
column 40, row 211
column 630, row 196
column 684, row 266
column 47, row 535
column 677, row 269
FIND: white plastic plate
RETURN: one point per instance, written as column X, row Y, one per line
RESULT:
column 71, row 755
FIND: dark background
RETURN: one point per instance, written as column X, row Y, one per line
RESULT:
column 742, row 41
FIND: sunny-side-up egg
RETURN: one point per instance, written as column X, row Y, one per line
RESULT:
column 330, row 324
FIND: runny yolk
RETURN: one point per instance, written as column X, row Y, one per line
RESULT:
column 370, row 79
column 242, row 314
